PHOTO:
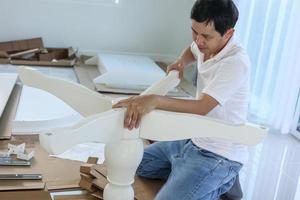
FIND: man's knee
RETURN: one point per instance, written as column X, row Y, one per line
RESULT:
column 235, row 192
column 153, row 168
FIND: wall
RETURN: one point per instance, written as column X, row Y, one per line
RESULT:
column 159, row 28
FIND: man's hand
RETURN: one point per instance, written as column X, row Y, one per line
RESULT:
column 137, row 107
column 178, row 65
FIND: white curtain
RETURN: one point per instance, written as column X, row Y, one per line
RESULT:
column 270, row 31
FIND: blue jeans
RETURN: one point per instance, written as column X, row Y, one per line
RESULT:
column 191, row 172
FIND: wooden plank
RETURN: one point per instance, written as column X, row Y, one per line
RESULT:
column 25, row 195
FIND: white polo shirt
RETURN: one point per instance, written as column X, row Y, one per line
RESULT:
column 225, row 77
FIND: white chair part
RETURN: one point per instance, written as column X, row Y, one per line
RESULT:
column 124, row 149
column 80, row 98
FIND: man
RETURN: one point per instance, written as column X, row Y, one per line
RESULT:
column 201, row 168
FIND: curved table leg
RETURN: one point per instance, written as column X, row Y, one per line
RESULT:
column 122, row 160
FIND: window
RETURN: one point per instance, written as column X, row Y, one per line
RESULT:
column 296, row 125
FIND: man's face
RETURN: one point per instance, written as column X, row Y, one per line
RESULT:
column 208, row 40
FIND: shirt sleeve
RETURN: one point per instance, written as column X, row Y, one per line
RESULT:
column 231, row 76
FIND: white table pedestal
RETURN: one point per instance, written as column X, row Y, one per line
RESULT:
column 122, row 159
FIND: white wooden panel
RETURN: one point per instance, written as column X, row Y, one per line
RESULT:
column 7, row 82
column 168, row 126
column 80, row 98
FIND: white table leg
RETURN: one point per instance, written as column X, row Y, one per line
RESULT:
column 122, row 160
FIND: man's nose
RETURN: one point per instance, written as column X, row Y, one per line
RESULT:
column 199, row 40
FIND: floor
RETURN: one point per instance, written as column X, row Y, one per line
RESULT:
column 273, row 170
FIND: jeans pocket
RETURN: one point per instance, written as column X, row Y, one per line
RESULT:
column 211, row 155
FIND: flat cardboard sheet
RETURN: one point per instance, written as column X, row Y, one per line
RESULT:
column 21, row 45
column 25, row 195
column 9, row 185
column 9, row 113
column 57, row 173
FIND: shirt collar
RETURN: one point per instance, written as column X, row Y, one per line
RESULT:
column 227, row 48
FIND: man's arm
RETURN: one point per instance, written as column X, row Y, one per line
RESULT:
column 185, row 58
column 199, row 107
column 138, row 106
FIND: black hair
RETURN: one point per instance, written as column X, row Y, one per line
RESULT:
column 222, row 13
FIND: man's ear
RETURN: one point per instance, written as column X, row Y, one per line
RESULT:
column 228, row 34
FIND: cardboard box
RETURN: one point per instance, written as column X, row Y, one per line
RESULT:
column 54, row 53
column 4, row 60
column 33, row 52
column 21, row 45
column 52, row 57
column 62, row 63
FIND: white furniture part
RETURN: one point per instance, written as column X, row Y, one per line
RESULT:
column 124, row 148
column 126, row 71
column 33, row 116
column 7, row 83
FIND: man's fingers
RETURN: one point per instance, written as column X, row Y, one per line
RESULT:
column 138, row 121
column 126, row 100
column 123, row 103
column 128, row 117
column 120, row 104
column 176, row 66
column 133, row 121
column 180, row 74
column 117, row 105
column 169, row 69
